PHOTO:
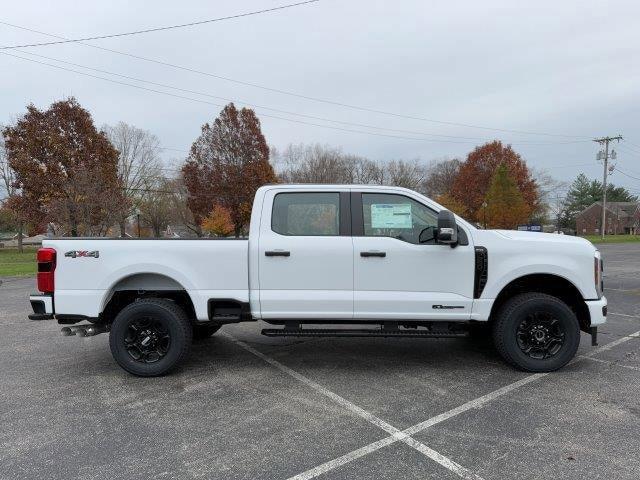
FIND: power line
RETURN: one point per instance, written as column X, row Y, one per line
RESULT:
column 262, row 114
column 631, row 143
column 159, row 29
column 253, row 105
column 297, row 95
column 626, row 148
column 626, row 174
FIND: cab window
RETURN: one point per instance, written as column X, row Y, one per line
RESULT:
column 306, row 214
column 397, row 216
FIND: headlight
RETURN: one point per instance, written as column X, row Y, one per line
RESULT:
column 598, row 268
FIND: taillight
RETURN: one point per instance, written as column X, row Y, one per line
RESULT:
column 46, row 267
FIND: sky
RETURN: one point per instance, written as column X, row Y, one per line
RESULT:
column 567, row 71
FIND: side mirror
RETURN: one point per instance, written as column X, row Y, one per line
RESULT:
column 447, row 233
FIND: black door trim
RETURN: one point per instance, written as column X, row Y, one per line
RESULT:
column 345, row 215
column 357, row 220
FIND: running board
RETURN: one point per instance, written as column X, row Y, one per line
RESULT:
column 383, row 332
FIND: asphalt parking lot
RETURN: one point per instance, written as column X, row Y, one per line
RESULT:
column 250, row 407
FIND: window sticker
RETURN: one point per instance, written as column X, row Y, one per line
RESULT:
column 391, row 215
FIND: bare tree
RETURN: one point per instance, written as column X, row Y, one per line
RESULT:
column 156, row 205
column 364, row 171
column 139, row 163
column 7, row 175
column 8, row 178
column 314, row 164
column 407, row 174
column 552, row 194
column 180, row 212
column 441, row 175
column 323, row 164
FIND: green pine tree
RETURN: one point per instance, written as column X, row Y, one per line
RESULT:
column 584, row 192
column 505, row 206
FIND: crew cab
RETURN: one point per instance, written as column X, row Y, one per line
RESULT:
column 329, row 260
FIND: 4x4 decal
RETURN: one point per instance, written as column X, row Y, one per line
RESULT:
column 82, row 253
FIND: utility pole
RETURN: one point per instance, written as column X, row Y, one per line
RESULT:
column 604, row 155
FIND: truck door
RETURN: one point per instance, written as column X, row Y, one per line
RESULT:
column 306, row 255
column 397, row 277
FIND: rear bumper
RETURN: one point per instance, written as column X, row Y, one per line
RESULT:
column 597, row 311
column 42, row 306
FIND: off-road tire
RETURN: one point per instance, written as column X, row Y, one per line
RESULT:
column 168, row 316
column 517, row 309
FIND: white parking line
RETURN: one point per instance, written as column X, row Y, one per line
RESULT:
column 612, row 364
column 472, row 404
column 395, row 433
column 624, row 315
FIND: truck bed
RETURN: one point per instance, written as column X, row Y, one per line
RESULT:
column 205, row 268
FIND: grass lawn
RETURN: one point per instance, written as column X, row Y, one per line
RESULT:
column 13, row 263
column 613, row 238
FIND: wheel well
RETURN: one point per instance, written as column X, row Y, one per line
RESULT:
column 145, row 285
column 553, row 285
column 122, row 298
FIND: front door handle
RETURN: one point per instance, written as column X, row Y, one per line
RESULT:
column 277, row 253
column 373, row 254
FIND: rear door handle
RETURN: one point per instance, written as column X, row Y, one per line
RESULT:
column 277, row 253
column 373, row 254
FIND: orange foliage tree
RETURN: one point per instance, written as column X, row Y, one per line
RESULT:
column 226, row 165
column 472, row 183
column 451, row 204
column 218, row 222
column 65, row 169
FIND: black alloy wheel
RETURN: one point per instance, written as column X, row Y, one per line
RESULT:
column 147, row 340
column 540, row 335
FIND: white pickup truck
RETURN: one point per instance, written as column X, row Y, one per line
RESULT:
column 377, row 261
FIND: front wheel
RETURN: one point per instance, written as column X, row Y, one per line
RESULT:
column 150, row 336
column 536, row 332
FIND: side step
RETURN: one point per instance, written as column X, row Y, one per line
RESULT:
column 362, row 332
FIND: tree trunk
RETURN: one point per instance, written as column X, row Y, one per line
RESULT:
column 123, row 227
column 237, row 230
column 73, row 219
column 20, row 228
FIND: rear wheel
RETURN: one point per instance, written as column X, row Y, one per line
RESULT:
column 536, row 332
column 150, row 336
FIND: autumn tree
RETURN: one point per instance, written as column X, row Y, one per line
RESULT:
column 65, row 169
column 472, row 183
column 227, row 163
column 506, row 206
column 218, row 222
column 451, row 204
column 139, row 167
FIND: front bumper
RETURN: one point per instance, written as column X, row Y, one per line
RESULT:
column 42, row 306
column 597, row 311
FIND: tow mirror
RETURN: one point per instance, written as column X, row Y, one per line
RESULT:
column 447, row 233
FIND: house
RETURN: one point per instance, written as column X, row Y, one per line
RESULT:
column 621, row 218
